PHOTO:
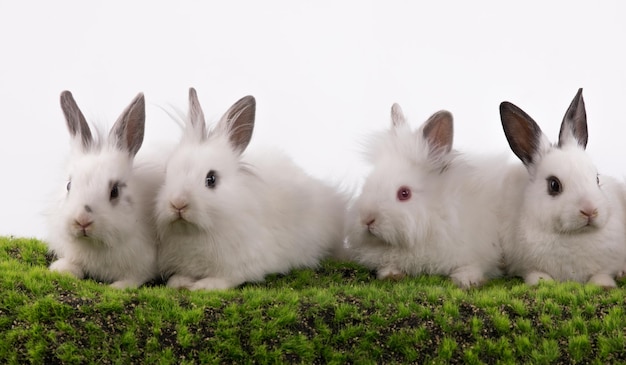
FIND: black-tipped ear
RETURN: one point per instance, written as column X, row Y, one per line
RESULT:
column 522, row 133
column 397, row 116
column 196, row 116
column 76, row 122
column 238, row 122
column 574, row 125
column 128, row 130
column 438, row 130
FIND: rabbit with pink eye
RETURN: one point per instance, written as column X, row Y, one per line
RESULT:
column 225, row 217
column 425, row 208
column 566, row 222
column 101, row 226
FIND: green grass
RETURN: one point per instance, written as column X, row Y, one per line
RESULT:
column 338, row 313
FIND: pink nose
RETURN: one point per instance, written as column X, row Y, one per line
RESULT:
column 83, row 223
column 589, row 212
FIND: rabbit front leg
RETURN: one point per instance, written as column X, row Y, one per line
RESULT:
column 128, row 283
column 603, row 280
column 177, row 281
column 466, row 277
column 66, row 265
column 389, row 272
column 533, row 277
column 211, row 283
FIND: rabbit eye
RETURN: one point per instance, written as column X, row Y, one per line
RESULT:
column 554, row 186
column 404, row 193
column 115, row 191
column 69, row 185
column 598, row 178
column 211, row 179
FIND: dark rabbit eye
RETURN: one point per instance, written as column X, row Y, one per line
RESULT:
column 69, row 185
column 115, row 191
column 554, row 186
column 404, row 193
column 598, row 179
column 211, row 179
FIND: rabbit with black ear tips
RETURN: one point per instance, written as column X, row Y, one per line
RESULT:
column 564, row 220
column 225, row 217
column 425, row 208
column 101, row 226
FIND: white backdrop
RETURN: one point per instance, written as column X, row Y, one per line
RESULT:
column 324, row 73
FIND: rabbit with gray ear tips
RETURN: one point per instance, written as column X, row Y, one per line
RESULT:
column 565, row 221
column 226, row 215
column 101, row 226
column 425, row 208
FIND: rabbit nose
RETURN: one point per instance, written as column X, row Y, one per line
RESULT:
column 589, row 212
column 369, row 221
column 179, row 205
column 83, row 223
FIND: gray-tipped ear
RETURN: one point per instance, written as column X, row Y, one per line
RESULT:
column 76, row 122
column 574, row 125
column 522, row 133
column 238, row 122
column 438, row 131
column 196, row 116
column 127, row 132
column 397, row 116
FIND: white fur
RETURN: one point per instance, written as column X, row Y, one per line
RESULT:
column 264, row 216
column 548, row 236
column 448, row 227
column 119, row 247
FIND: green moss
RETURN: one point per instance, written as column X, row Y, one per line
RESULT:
column 337, row 313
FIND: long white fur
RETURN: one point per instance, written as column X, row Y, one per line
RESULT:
column 541, row 239
column 266, row 215
column 121, row 247
column 449, row 226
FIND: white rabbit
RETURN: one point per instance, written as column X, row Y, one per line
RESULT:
column 101, row 226
column 225, row 217
column 426, row 209
column 564, row 221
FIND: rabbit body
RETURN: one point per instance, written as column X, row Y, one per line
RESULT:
column 101, row 225
column 225, row 218
column 448, row 226
column 563, row 221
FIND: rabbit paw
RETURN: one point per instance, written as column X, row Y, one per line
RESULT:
column 390, row 273
column 180, row 281
column 65, row 265
column 467, row 277
column 604, row 280
column 533, row 277
column 213, row 284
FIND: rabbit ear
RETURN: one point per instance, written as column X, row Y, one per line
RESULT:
column 574, row 125
column 438, row 131
column 196, row 116
column 127, row 132
column 76, row 122
column 238, row 122
column 523, row 134
column 397, row 117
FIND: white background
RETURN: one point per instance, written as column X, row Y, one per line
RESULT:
column 324, row 74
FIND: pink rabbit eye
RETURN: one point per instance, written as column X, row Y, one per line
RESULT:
column 404, row 193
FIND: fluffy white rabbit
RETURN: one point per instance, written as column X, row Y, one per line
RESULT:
column 425, row 208
column 225, row 217
column 101, row 225
column 564, row 221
